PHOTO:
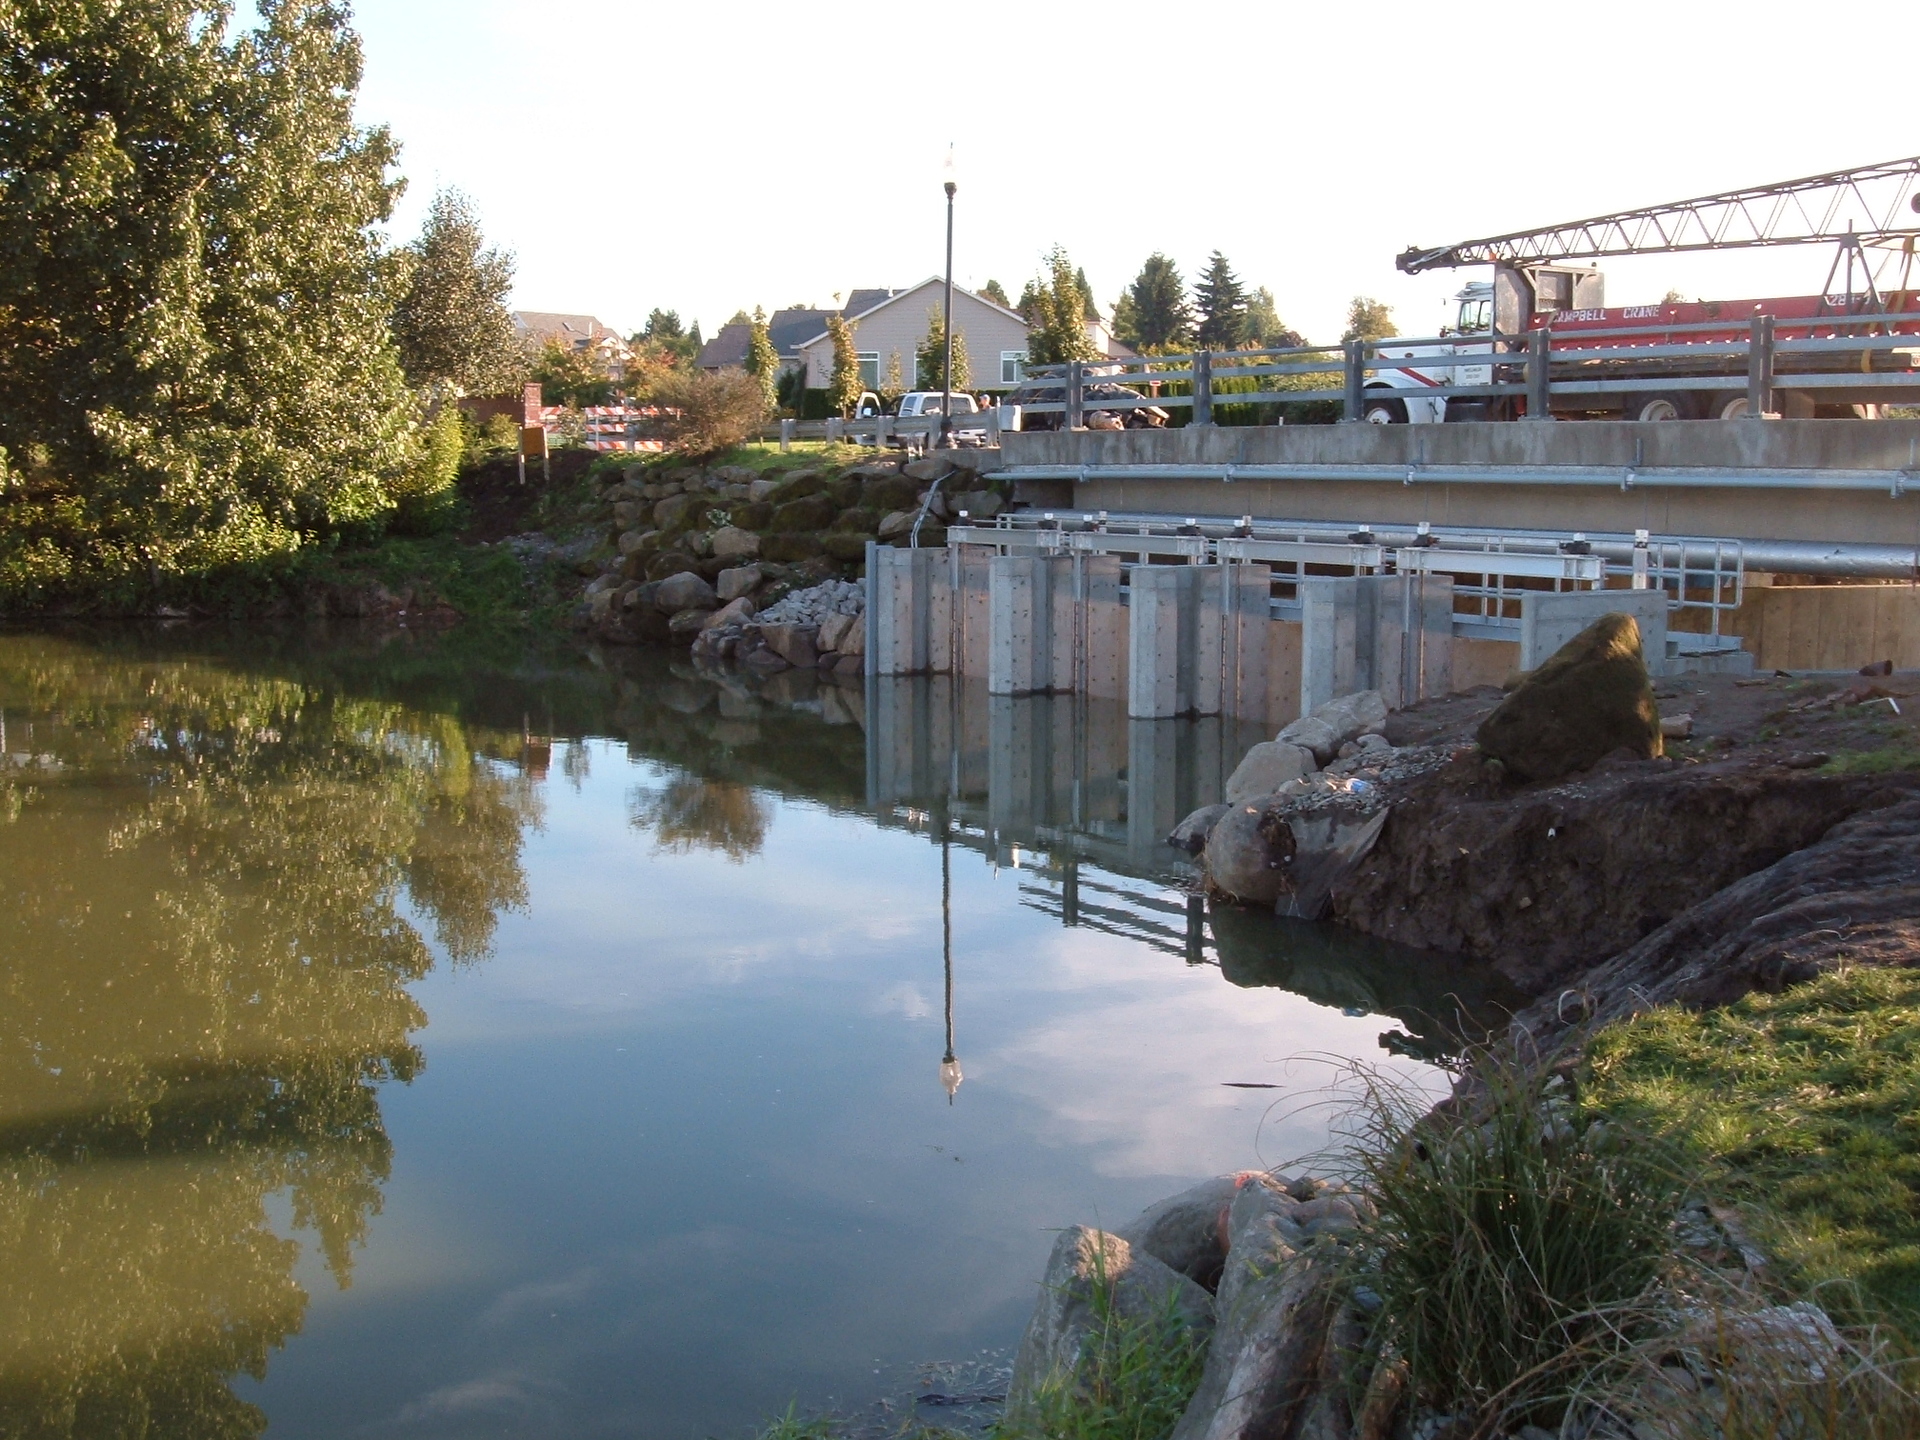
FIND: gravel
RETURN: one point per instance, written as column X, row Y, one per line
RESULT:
column 814, row 604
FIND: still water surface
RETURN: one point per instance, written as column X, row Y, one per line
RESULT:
column 411, row 1038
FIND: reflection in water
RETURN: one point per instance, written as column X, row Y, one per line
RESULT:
column 205, row 955
column 689, row 813
column 950, row 1076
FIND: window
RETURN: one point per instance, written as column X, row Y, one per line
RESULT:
column 1013, row 365
column 1475, row 316
column 870, row 369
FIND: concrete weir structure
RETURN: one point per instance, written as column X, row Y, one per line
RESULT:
column 1187, row 619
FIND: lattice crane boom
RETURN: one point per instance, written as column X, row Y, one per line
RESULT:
column 1874, row 205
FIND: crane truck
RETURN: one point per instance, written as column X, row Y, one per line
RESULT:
column 1537, row 285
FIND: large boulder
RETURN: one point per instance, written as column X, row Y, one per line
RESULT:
column 789, row 547
column 1334, row 723
column 1091, row 1274
column 834, row 628
column 899, row 523
column 734, row 612
column 979, row 504
column 1266, row 767
column 889, row 492
column 815, row 512
column 1250, row 853
column 848, row 549
column 928, row 467
column 685, row 624
column 731, row 543
column 684, row 591
column 677, row 512
column 793, row 643
column 737, row 581
column 1191, row 833
column 668, row 563
column 1188, row 1232
column 1591, row 698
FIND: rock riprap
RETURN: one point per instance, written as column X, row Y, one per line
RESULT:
column 822, row 627
column 1590, row 699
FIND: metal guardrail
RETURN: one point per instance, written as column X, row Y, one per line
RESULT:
column 911, row 431
column 1772, row 355
column 1695, row 572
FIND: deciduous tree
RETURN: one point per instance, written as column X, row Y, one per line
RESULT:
column 932, row 356
column 763, row 361
column 452, row 323
column 196, row 364
column 1264, row 326
column 1056, row 313
column 1368, row 319
column 844, row 388
column 993, row 291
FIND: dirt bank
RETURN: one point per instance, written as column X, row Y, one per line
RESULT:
column 1546, row 881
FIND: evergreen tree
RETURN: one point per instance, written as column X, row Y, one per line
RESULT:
column 1263, row 323
column 1029, row 300
column 195, row 348
column 1089, row 308
column 1155, row 310
column 763, row 361
column 844, row 389
column 932, row 356
column 1368, row 319
column 1057, row 318
column 1222, row 306
column 452, row 324
column 894, row 385
column 994, row 293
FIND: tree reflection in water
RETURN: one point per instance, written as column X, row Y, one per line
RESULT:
column 204, row 959
column 689, row 813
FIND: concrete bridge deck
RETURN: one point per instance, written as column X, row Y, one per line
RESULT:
column 1831, row 482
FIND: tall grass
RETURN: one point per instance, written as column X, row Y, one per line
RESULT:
column 1516, row 1252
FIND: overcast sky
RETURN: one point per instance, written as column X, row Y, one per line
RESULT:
column 711, row 156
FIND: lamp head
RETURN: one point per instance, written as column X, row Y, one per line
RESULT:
column 949, row 174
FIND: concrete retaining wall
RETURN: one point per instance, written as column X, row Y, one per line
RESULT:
column 1824, row 627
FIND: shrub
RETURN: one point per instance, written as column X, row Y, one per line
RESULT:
column 1133, row 1381
column 425, row 498
column 1515, row 1252
column 708, row 413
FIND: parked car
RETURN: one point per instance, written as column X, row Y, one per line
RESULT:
column 917, row 404
column 1053, row 392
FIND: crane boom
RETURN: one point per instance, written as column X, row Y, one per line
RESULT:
column 1864, row 206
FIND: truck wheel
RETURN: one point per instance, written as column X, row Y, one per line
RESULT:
column 1729, row 407
column 1657, row 407
column 1384, row 411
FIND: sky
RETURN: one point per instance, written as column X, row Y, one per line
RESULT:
column 709, row 157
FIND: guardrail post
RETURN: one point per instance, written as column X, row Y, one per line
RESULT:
column 1075, row 418
column 786, row 436
column 1356, row 382
column 1202, row 388
column 1760, row 367
column 836, row 429
column 1539, row 384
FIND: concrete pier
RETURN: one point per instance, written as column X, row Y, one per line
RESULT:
column 1391, row 633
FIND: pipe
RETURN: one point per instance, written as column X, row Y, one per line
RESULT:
column 1625, row 477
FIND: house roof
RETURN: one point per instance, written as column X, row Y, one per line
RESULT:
column 883, row 298
column 574, row 328
column 786, row 328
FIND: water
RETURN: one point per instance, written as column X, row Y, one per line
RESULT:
column 402, row 1037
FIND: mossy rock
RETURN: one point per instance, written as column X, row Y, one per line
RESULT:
column 845, row 491
column 751, row 514
column 861, row 519
column 889, row 492
column 801, row 484
column 816, row 512
column 677, row 512
column 1591, row 698
column 848, row 549
column 789, row 546
column 669, row 562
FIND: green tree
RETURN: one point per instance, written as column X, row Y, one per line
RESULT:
column 1089, row 308
column 995, row 293
column 452, row 323
column 931, row 356
column 893, row 385
column 569, row 377
column 1368, row 319
column 1222, row 304
column 196, row 365
column 1153, row 314
column 763, row 361
column 1056, row 313
column 1264, row 326
column 844, row 389
column 668, row 338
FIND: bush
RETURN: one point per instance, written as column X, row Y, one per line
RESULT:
column 426, row 499
column 1515, row 1252
column 708, row 413
column 1133, row 1381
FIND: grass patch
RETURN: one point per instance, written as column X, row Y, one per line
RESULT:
column 1873, row 762
column 1804, row 1106
column 1133, row 1381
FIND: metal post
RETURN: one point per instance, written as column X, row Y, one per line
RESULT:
column 786, row 435
column 1076, row 395
column 1760, row 367
column 1539, row 344
column 1203, row 388
column 946, row 376
column 1356, row 387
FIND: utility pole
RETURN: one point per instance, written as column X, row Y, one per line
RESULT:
column 946, row 374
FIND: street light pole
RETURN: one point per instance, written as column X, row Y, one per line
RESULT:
column 946, row 376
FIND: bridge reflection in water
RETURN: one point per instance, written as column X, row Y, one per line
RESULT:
column 1078, row 798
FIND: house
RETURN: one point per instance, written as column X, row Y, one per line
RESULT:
column 582, row 333
column 786, row 328
column 890, row 324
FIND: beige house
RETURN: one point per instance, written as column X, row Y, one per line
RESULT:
column 893, row 323
column 585, row 334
